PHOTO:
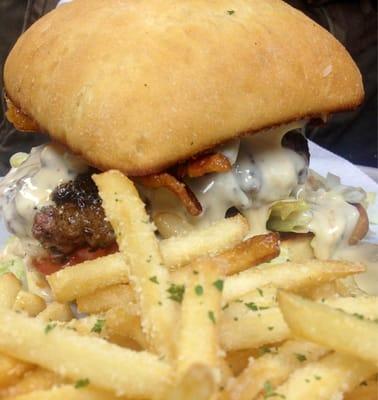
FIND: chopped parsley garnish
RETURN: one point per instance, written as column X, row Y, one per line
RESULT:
column 300, row 357
column 270, row 328
column 211, row 316
column 317, row 377
column 269, row 391
column 176, row 292
column 359, row 316
column 252, row 306
column 261, row 293
column 81, row 383
column 219, row 284
column 49, row 327
column 264, row 350
column 195, row 272
column 98, row 326
column 225, row 306
column 149, row 259
column 230, row 12
column 236, row 319
column 199, row 290
column 154, row 279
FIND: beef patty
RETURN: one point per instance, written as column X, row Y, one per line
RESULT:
column 76, row 220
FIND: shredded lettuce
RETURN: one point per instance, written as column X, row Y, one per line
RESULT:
column 13, row 264
column 290, row 216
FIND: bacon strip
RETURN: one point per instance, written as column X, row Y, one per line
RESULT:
column 168, row 181
column 362, row 226
column 203, row 165
column 20, row 120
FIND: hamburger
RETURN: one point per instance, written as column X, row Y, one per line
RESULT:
column 203, row 104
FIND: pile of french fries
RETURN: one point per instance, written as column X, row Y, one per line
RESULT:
column 197, row 317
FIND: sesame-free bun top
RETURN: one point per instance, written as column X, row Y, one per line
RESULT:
column 139, row 85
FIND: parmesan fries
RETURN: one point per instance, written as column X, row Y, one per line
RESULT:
column 201, row 316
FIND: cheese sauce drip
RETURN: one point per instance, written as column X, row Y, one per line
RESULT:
column 262, row 171
column 28, row 187
column 333, row 215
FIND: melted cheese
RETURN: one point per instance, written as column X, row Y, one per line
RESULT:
column 28, row 187
column 263, row 172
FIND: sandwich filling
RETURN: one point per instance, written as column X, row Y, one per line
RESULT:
column 51, row 204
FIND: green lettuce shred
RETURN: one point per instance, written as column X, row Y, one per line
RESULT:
column 13, row 264
column 289, row 216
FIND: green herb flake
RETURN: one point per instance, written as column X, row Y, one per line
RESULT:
column 199, row 290
column 176, row 292
column 49, row 327
column 81, row 383
column 195, row 272
column 219, row 284
column 264, row 350
column 300, row 357
column 359, row 316
column 252, row 306
column 230, row 12
column 149, row 259
column 211, row 316
column 270, row 328
column 98, row 326
column 226, row 306
column 261, row 293
column 236, row 319
column 317, row 377
column 154, row 279
column 269, row 391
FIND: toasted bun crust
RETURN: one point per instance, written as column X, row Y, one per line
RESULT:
column 139, row 85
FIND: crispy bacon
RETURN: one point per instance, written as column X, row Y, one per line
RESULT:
column 20, row 120
column 171, row 183
column 362, row 226
column 203, row 165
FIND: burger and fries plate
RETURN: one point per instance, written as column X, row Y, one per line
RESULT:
column 172, row 320
column 208, row 312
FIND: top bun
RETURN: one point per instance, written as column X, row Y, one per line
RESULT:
column 139, row 85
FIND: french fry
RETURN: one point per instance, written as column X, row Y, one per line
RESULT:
column 121, row 323
column 288, row 276
column 297, row 246
column 37, row 379
column 367, row 390
column 109, row 297
column 9, row 288
column 253, row 329
column 211, row 240
column 253, row 251
column 351, row 334
column 196, row 384
column 239, row 359
column 274, row 366
column 321, row 292
column 11, row 370
column 198, row 337
column 79, row 280
column 326, row 379
column 29, row 303
column 67, row 392
column 56, row 312
column 107, row 366
column 138, row 244
column 249, row 324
